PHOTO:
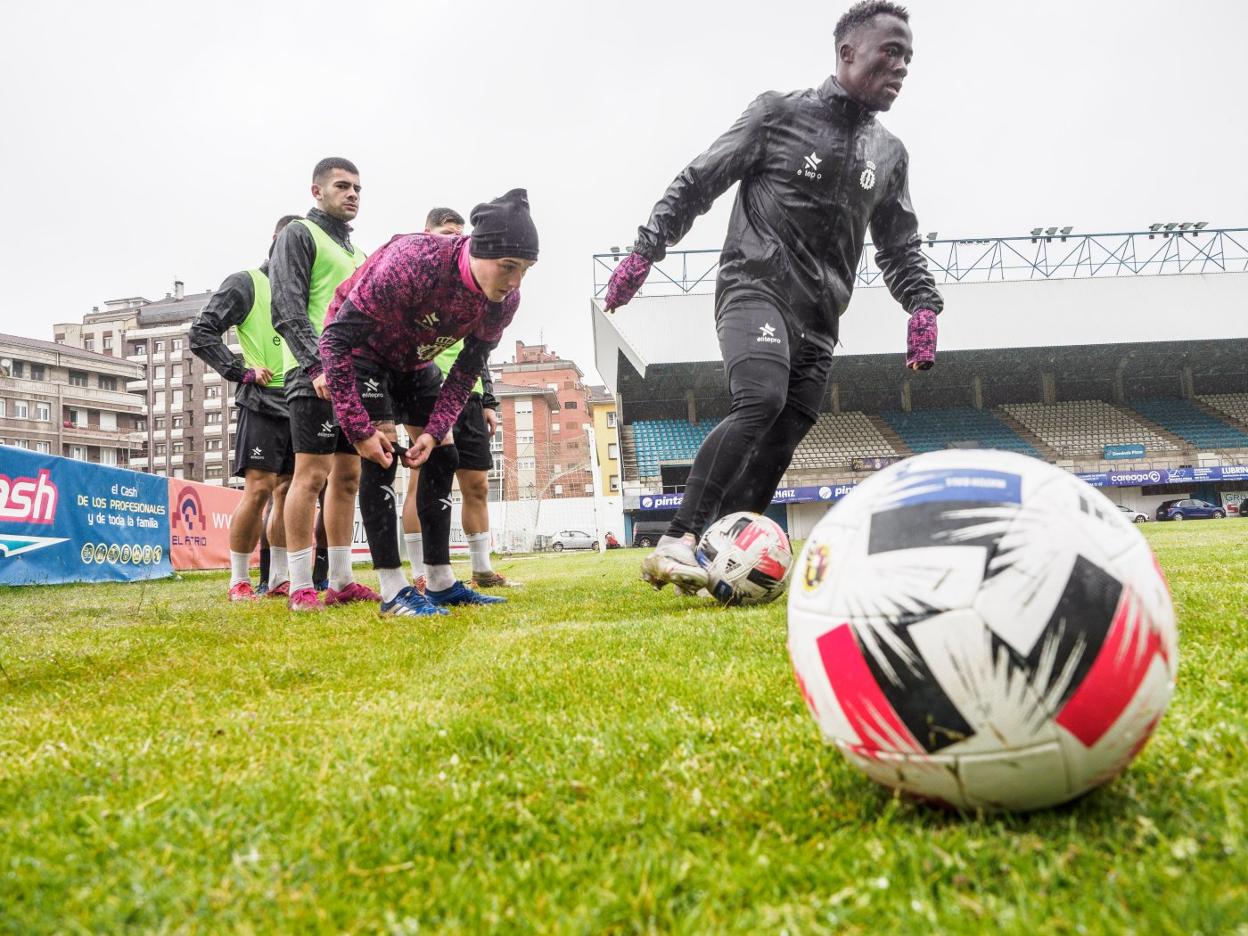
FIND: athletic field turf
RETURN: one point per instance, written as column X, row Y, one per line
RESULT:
column 595, row 757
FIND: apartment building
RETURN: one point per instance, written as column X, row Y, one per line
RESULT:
column 69, row 401
column 606, row 439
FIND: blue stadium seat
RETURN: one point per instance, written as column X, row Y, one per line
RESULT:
column 667, row 440
column 932, row 430
column 1187, row 422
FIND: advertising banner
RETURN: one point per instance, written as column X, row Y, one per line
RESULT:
column 63, row 520
column 1234, row 502
column 199, row 525
column 798, row 495
column 1131, row 450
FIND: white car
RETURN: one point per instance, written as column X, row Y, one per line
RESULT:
column 572, row 539
column 1133, row 515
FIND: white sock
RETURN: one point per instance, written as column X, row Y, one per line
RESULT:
column 439, row 577
column 340, row 574
column 392, row 582
column 415, row 544
column 279, row 566
column 240, row 568
column 301, row 568
column 479, row 547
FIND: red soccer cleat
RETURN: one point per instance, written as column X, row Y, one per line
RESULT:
column 243, row 592
column 282, row 591
column 351, row 594
column 305, row 599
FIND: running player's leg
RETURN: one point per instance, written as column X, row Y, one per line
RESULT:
column 760, row 475
column 755, row 344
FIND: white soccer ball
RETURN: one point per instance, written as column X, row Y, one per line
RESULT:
column 746, row 557
column 983, row 630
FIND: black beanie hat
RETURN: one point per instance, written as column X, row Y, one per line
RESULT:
column 503, row 228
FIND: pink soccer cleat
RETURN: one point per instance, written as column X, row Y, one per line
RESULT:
column 352, row 593
column 243, row 592
column 305, row 599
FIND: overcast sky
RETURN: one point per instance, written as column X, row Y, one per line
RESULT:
column 146, row 141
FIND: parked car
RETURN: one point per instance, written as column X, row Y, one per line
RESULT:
column 1133, row 515
column 1189, row 509
column 646, row 533
column 572, row 539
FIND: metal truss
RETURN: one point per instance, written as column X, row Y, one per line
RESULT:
column 994, row 259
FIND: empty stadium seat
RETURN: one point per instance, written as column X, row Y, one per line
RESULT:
column 959, row 426
column 667, row 440
column 834, row 441
column 1084, row 427
column 1234, row 405
column 1190, row 423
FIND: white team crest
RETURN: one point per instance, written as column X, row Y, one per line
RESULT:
column 867, row 179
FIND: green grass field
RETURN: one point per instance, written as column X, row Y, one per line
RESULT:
column 595, row 757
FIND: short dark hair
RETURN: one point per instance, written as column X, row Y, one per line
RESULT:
column 440, row 216
column 285, row 220
column 863, row 12
column 329, row 164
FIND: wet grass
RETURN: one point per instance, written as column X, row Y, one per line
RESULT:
column 594, row 757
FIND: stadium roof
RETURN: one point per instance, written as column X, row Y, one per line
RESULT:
column 680, row 329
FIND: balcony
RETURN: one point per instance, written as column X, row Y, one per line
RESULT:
column 94, row 435
column 139, row 462
column 212, row 403
column 211, row 377
column 213, row 457
column 137, row 386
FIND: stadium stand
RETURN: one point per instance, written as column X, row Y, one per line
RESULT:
column 837, row 440
column 955, row 427
column 1234, row 405
column 1086, row 426
column 1194, row 425
column 661, row 440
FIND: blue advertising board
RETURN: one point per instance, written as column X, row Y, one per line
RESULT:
column 63, row 520
column 1132, row 450
column 798, row 495
column 1167, row 476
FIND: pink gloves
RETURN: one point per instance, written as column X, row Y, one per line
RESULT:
column 921, row 340
column 626, row 280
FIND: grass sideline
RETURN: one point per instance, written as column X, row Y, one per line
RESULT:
column 593, row 758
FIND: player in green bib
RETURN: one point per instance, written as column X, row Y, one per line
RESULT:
column 312, row 257
column 263, row 456
column 473, row 431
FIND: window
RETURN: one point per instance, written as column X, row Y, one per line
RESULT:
column 613, row 451
column 176, row 371
column 524, row 438
column 45, row 447
column 108, row 456
column 213, row 473
column 615, row 482
column 589, row 489
column 611, row 419
column 572, row 444
column 107, row 420
column 89, row 344
column 177, row 399
column 59, row 338
column 554, row 427
column 214, row 418
column 190, row 393
column 37, row 372
column 177, row 344
column 524, row 406
column 43, row 412
column 3, row 405
column 558, row 488
column 75, row 417
column 160, row 372
column 79, row 452
column 77, row 378
column 570, row 404
column 212, row 393
column 158, row 347
column 212, row 445
column 553, row 386
column 161, row 448
column 525, row 464
column 178, row 448
column 138, row 349
column 19, row 369
column 107, row 382
column 21, row 409
column 158, row 423
column 158, row 399
column 108, row 342
column 140, row 424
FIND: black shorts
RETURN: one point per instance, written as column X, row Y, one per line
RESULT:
column 756, row 329
column 314, row 428
column 262, row 442
column 472, row 436
column 411, row 395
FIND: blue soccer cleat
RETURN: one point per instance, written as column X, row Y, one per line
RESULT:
column 461, row 594
column 410, row 603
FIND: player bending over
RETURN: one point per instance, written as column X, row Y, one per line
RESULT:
column 414, row 298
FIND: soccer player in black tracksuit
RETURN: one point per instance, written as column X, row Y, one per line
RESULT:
column 816, row 171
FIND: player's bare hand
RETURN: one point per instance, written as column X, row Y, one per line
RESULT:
column 263, row 377
column 491, row 421
column 376, row 448
column 320, row 386
column 419, row 451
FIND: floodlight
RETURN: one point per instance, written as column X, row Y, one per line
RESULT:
column 1200, row 225
column 1050, row 231
column 1036, row 232
column 1066, row 230
column 1155, row 226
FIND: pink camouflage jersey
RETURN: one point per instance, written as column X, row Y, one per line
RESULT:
column 411, row 300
